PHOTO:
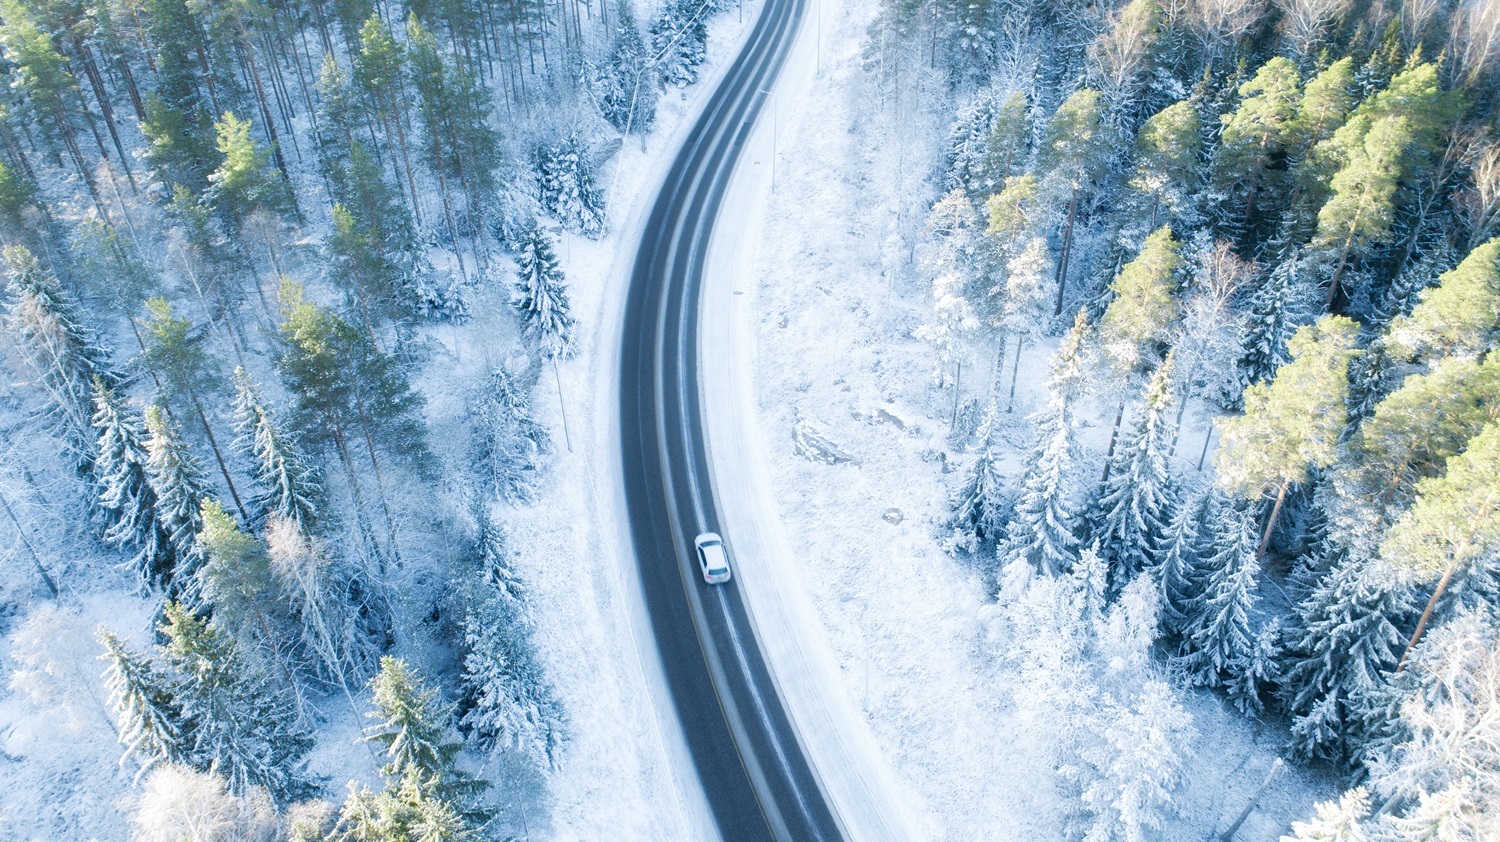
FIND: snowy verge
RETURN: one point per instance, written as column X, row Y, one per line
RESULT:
column 857, row 780
column 627, row 772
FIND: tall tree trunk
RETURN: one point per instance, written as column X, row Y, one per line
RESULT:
column 1265, row 538
column 36, row 560
column 1067, row 253
column 1114, row 437
column 1015, row 369
column 1416, row 636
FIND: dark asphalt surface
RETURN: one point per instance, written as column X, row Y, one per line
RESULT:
column 757, row 780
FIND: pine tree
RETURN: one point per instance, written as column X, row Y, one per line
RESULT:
column 1251, row 138
column 1135, row 325
column 127, row 501
column 289, row 484
column 1013, row 214
column 1454, row 523
column 63, row 352
column 1024, row 311
column 541, row 298
column 1139, row 496
column 344, row 385
column 626, row 86
column 1292, row 424
column 242, row 727
column 148, row 719
column 1343, row 644
column 180, row 491
column 1074, row 156
column 1009, row 141
column 1360, row 211
column 1325, row 105
column 1167, row 168
column 245, row 181
column 1219, row 640
column 679, row 38
column 566, row 185
column 1461, row 315
column 235, row 580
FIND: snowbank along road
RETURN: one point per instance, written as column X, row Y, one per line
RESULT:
column 755, row 776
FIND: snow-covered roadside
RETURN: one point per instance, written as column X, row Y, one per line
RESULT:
column 856, row 778
column 859, row 608
column 626, row 772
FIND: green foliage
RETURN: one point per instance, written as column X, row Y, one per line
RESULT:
column 1455, row 520
column 1167, row 153
column 1361, row 209
column 1134, row 328
column 245, row 179
column 171, row 349
column 1013, row 212
column 1074, row 151
column 1259, row 127
column 1293, row 422
column 1461, row 315
column 343, row 383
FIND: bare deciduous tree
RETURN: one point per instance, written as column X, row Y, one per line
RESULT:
column 1305, row 23
column 1474, row 43
column 1479, row 202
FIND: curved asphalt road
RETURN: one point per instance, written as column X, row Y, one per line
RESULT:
column 756, row 779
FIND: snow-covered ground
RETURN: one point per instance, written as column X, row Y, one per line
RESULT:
column 861, row 611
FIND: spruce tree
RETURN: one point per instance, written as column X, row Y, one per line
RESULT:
column 242, row 726
column 968, row 147
column 566, row 185
column 980, row 505
column 626, row 86
column 1180, row 568
column 507, row 443
column 148, row 719
column 510, row 703
column 180, row 491
column 127, row 501
column 63, row 352
column 1343, row 643
column 1277, row 309
column 289, row 484
column 541, row 298
column 1041, row 530
column 1336, row 821
column 1220, row 642
column 1293, row 423
column 679, row 37
column 1139, row 496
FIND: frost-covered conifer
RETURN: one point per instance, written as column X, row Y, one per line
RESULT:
column 968, row 147
column 1219, row 641
column 127, row 501
column 1090, row 578
column 1133, row 774
column 1261, row 672
column 566, row 187
column 981, row 504
column 1336, row 821
column 511, row 703
column 1042, row 527
column 541, row 297
column 149, row 721
column 507, row 444
column 679, row 36
column 63, row 352
column 1280, row 306
column 180, row 491
column 1138, row 497
column 1180, row 568
column 1343, row 644
column 289, row 483
column 412, row 725
column 626, row 85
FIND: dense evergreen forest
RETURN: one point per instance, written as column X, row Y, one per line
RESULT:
column 226, row 223
column 1285, row 218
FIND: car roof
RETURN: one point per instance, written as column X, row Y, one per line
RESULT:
column 714, row 552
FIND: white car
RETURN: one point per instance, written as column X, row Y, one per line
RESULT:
column 713, row 558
